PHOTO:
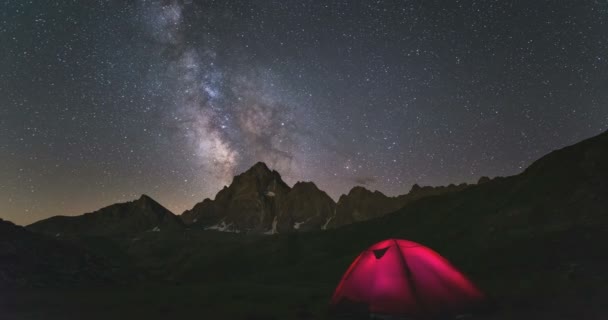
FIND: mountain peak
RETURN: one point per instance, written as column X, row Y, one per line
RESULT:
column 145, row 198
column 305, row 185
column 416, row 187
column 146, row 202
column 358, row 190
column 249, row 203
column 483, row 179
column 259, row 167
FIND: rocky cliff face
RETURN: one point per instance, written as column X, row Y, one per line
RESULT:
column 306, row 208
column 143, row 214
column 249, row 204
column 258, row 201
column 361, row 204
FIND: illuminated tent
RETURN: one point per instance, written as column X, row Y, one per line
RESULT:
column 401, row 278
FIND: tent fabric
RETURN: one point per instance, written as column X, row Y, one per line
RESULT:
column 403, row 278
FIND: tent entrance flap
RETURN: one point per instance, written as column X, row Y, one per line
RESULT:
column 379, row 253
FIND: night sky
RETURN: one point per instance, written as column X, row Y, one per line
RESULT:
column 101, row 101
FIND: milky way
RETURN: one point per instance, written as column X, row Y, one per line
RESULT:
column 102, row 101
column 227, row 118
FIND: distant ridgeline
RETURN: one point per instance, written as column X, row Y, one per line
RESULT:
column 258, row 201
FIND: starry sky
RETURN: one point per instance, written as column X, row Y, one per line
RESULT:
column 101, row 101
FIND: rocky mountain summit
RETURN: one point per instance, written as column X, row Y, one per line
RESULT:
column 259, row 201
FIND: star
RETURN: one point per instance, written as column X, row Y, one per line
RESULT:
column 173, row 98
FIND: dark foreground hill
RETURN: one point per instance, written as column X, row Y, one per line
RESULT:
column 33, row 260
column 535, row 242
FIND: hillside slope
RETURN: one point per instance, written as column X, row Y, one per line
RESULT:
column 32, row 260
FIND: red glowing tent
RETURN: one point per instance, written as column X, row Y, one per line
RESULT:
column 402, row 278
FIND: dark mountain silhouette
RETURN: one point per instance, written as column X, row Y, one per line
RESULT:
column 306, row 208
column 31, row 260
column 361, row 204
column 259, row 201
column 249, row 204
column 120, row 219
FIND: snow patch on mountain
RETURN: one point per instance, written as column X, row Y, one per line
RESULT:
column 297, row 225
column 274, row 227
column 223, row 227
column 324, row 226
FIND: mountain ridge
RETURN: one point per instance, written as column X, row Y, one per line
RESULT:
column 118, row 219
column 266, row 204
column 259, row 201
column 256, row 201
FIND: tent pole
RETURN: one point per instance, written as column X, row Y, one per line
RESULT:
column 409, row 276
